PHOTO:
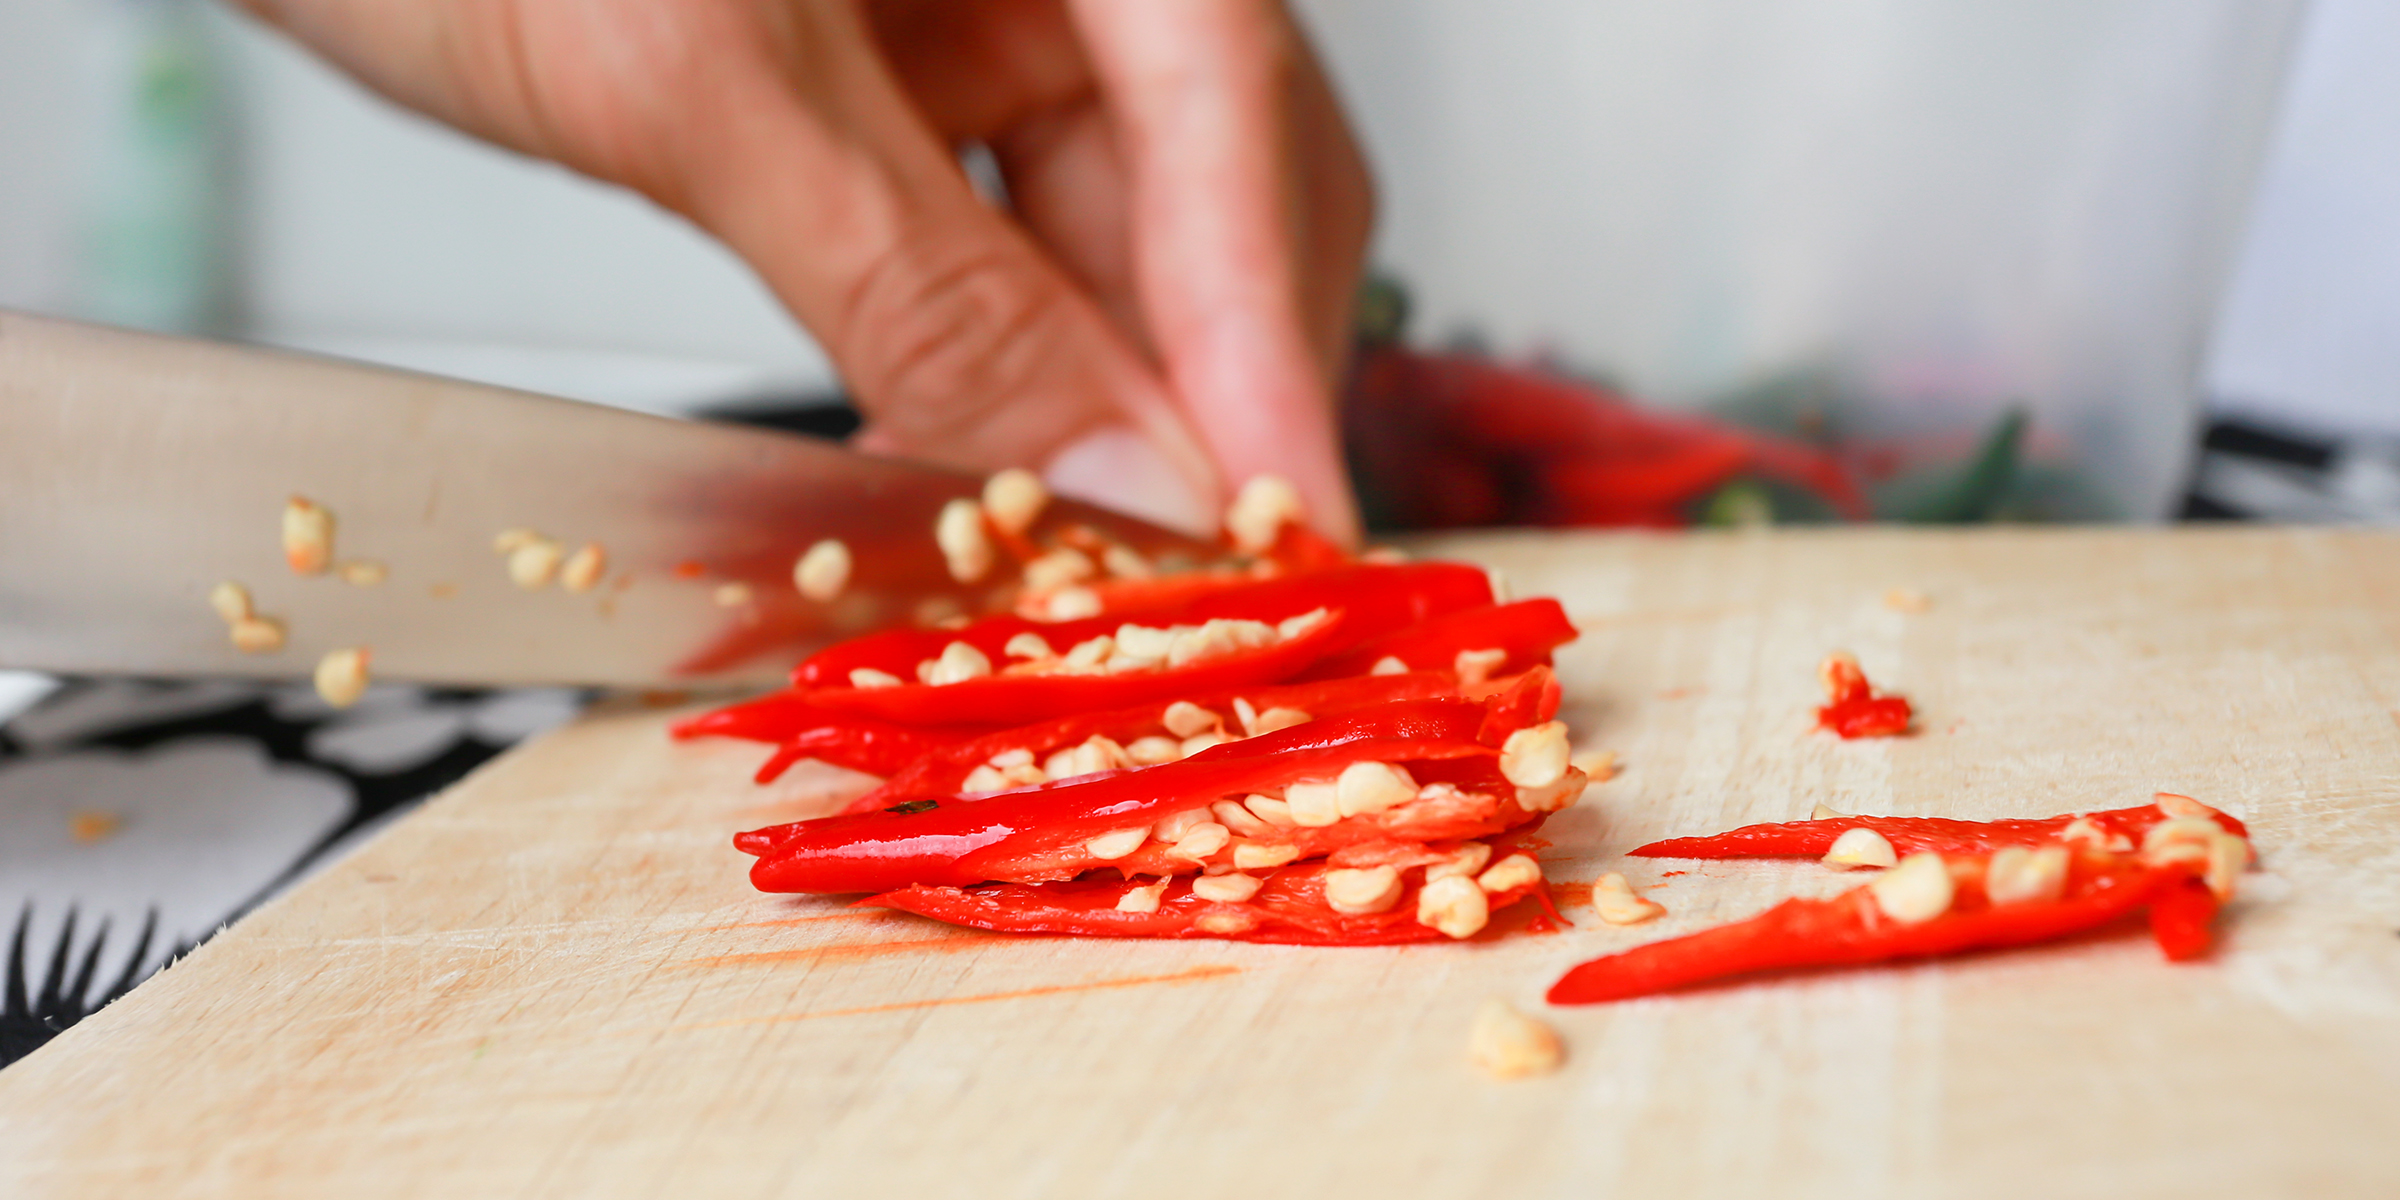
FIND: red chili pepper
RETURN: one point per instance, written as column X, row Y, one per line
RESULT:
column 1042, row 833
column 2122, row 828
column 1853, row 709
column 2180, row 918
column 1528, row 630
column 943, row 771
column 1376, row 599
column 1289, row 908
column 1852, row 928
column 875, row 747
column 1035, row 697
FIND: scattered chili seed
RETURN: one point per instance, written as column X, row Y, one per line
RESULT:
column 823, row 570
column 1453, row 905
column 1618, row 904
column 1358, row 891
column 1476, row 666
column 1507, row 1044
column 307, row 536
column 231, row 600
column 1599, row 766
column 583, row 569
column 257, row 635
column 534, row 562
column 1916, row 891
column 966, row 548
column 361, row 572
column 342, row 676
column 1260, row 511
column 1861, row 847
column 1535, row 756
column 1014, row 499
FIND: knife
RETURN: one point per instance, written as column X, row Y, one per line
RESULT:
column 137, row 472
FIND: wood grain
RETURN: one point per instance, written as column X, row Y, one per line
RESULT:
column 555, row 981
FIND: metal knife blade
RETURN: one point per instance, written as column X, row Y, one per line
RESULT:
column 138, row 471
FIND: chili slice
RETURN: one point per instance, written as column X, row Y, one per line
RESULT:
column 1853, row 709
column 1527, row 630
column 1289, row 908
column 2124, row 827
column 1852, row 928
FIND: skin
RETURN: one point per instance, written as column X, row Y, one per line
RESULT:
column 1159, row 311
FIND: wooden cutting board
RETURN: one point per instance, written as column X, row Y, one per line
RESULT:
column 555, row 981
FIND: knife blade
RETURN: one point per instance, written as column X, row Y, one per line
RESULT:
column 138, row 471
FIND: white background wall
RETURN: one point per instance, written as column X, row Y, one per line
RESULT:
column 358, row 221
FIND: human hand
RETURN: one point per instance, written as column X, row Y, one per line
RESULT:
column 1160, row 311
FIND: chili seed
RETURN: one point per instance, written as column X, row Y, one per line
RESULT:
column 256, row 635
column 1916, row 891
column 1117, row 843
column 960, row 662
column 1466, row 862
column 1453, row 905
column 966, row 548
column 341, row 676
column 1861, row 847
column 1262, row 856
column 1536, row 756
column 1371, row 787
column 1204, row 839
column 1240, row 820
column 1476, row 666
column 1389, row 664
column 1014, row 499
column 1063, row 567
column 1271, row 810
column 231, row 600
column 581, row 571
column 1143, row 899
column 1260, row 510
column 2021, row 874
column 534, row 562
column 361, row 572
column 1515, row 871
column 1618, row 904
column 869, row 677
column 1507, row 1044
column 1314, row 804
column 1151, row 751
column 1227, row 889
column 1358, row 891
column 307, row 536
column 1029, row 645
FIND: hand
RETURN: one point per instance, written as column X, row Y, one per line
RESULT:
column 1160, row 311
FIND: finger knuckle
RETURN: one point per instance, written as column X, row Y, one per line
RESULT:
column 931, row 330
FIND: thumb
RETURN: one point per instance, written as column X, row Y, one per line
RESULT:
column 962, row 342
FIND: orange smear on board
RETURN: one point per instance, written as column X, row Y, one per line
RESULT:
column 1571, row 893
column 1191, row 975
column 858, row 915
column 843, row 950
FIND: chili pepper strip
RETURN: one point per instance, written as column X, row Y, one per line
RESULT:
column 1290, row 909
column 1528, row 630
column 1040, row 697
column 1040, row 833
column 1377, row 599
column 2180, row 918
column 1853, row 709
column 1850, row 929
column 1911, row 835
column 942, row 771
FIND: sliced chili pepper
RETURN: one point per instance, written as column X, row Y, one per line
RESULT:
column 2123, row 827
column 1036, row 697
column 774, row 717
column 1852, row 928
column 1042, row 833
column 943, row 771
column 1289, row 908
column 2180, row 918
column 861, row 744
column 1528, row 630
column 1853, row 708
column 1376, row 599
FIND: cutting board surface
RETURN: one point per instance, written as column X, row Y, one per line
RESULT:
column 555, row 980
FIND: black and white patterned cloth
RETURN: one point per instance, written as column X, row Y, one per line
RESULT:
column 137, row 817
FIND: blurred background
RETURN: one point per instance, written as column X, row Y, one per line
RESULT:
column 1717, row 261
column 2072, row 244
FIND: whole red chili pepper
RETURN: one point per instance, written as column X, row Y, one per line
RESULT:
column 1043, row 832
column 1852, row 928
column 1288, row 908
column 2123, row 827
column 1527, row 630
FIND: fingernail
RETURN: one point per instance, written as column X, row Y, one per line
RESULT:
column 1117, row 468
